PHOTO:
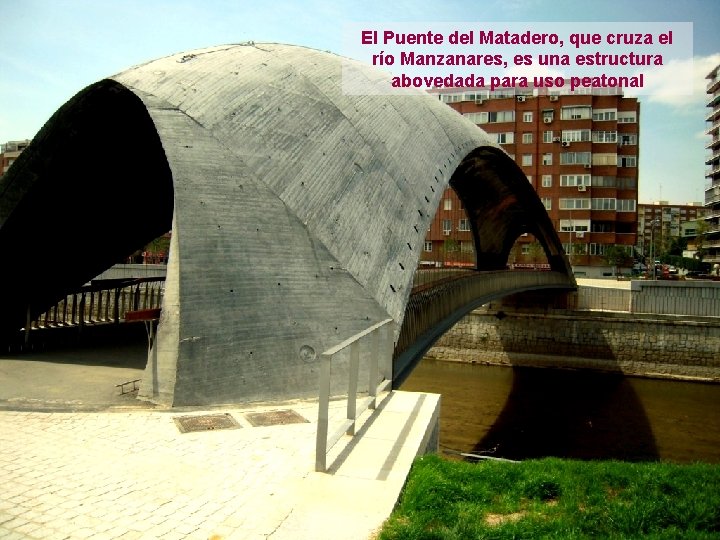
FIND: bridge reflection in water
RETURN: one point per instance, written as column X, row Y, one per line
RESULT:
column 522, row 413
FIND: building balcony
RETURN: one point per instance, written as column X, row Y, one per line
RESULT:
column 715, row 99
column 712, row 171
column 713, row 84
column 713, row 116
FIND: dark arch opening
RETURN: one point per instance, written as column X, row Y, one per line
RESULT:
column 92, row 187
column 501, row 205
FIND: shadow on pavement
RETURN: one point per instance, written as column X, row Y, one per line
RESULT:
column 67, row 373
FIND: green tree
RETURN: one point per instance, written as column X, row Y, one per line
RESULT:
column 676, row 246
column 617, row 256
column 535, row 251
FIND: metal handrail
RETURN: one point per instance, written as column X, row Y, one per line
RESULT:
column 102, row 301
column 380, row 365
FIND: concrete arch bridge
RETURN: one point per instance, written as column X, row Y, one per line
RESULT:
column 298, row 212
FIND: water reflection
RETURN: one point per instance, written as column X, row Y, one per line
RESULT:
column 525, row 413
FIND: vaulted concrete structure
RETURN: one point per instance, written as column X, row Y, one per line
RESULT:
column 298, row 212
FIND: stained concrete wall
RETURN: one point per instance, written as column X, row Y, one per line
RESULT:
column 649, row 345
column 300, row 213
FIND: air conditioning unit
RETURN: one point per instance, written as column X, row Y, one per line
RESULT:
column 521, row 98
column 547, row 119
column 566, row 143
column 553, row 98
column 582, row 188
column 556, row 139
column 588, row 166
column 479, row 101
column 580, row 234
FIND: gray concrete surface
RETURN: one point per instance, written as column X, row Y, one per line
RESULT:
column 77, row 460
column 72, row 379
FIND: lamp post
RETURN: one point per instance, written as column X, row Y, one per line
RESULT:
column 652, row 245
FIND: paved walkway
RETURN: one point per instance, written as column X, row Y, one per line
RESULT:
column 79, row 460
column 134, row 475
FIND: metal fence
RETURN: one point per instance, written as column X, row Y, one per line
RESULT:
column 101, row 302
column 379, row 339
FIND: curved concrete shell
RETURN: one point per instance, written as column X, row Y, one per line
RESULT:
column 298, row 212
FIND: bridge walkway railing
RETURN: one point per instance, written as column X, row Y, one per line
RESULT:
column 434, row 307
column 100, row 302
column 379, row 339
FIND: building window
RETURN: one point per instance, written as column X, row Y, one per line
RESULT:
column 428, row 246
column 604, row 159
column 627, row 117
column 575, row 158
column 447, row 226
column 574, row 204
column 628, row 139
column 574, row 225
column 603, row 204
column 447, row 204
column 571, row 180
column 490, row 117
column 526, row 160
column 547, row 180
column 527, row 138
column 506, row 138
column 525, row 249
column 628, row 161
column 600, row 115
column 477, row 118
column 624, row 182
column 575, row 113
column 603, row 181
column 575, row 135
column 547, row 158
column 626, row 205
column 527, row 116
column 547, row 203
column 547, row 116
column 604, row 136
column 466, row 247
column 464, row 225
column 547, row 136
column 597, row 249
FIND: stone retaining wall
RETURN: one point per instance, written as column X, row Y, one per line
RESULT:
column 647, row 345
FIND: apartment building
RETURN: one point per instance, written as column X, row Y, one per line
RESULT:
column 579, row 151
column 712, row 174
column 660, row 223
column 9, row 153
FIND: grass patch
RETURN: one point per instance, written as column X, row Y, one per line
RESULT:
column 554, row 498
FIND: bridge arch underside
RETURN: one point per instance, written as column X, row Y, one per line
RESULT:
column 501, row 205
column 93, row 187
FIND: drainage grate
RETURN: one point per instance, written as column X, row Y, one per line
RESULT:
column 207, row 422
column 275, row 418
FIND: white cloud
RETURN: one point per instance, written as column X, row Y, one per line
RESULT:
column 680, row 83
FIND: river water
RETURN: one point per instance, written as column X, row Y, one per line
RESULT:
column 521, row 413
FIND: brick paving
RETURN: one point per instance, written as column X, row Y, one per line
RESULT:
column 133, row 475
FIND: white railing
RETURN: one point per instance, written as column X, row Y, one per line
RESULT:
column 380, row 338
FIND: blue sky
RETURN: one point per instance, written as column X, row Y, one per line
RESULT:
column 51, row 49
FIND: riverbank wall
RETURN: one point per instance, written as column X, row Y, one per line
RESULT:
column 648, row 345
